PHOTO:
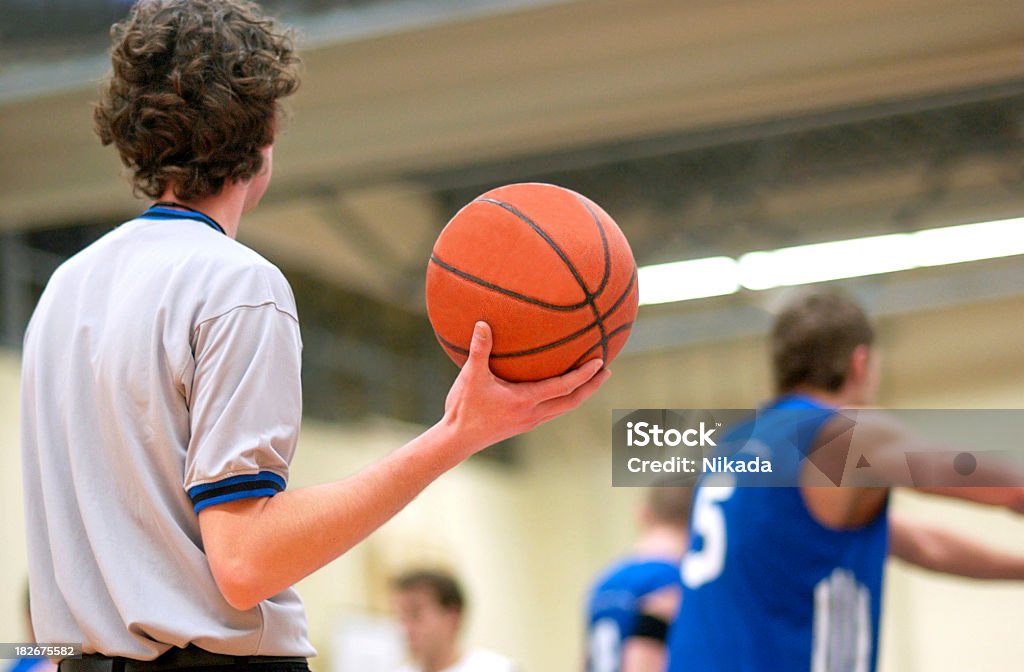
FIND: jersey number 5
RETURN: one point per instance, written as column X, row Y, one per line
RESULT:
column 700, row 567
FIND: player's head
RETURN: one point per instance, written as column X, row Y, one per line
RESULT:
column 822, row 342
column 667, row 507
column 192, row 102
column 429, row 605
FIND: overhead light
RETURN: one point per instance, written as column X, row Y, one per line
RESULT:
column 836, row 260
column 821, row 262
column 969, row 242
column 685, row 280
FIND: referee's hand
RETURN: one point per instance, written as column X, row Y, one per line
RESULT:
column 484, row 409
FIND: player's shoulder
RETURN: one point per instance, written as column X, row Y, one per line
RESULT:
column 633, row 569
column 612, row 574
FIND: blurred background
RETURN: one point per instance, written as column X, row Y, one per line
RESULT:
column 707, row 129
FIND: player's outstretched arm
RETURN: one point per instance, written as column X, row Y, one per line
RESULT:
column 1009, row 497
column 882, row 441
column 878, row 440
column 939, row 550
column 258, row 547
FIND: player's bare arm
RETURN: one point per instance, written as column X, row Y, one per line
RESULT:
column 881, row 441
column 645, row 652
column 641, row 654
column 939, row 550
column 258, row 547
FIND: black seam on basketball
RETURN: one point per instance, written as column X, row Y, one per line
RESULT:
column 604, row 246
column 590, row 296
column 451, row 346
column 561, row 341
column 507, row 292
column 579, row 360
column 603, row 342
column 547, row 239
column 529, row 351
column 622, row 297
column 599, row 319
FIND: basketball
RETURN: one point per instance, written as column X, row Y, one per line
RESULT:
column 546, row 267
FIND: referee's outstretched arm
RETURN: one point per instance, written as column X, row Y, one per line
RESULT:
column 257, row 547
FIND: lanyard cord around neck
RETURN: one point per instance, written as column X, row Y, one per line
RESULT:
column 169, row 210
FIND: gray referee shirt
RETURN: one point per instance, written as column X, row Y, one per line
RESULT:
column 160, row 376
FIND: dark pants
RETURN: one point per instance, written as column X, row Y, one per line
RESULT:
column 191, row 658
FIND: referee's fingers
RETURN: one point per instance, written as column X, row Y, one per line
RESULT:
column 480, row 348
column 566, row 384
column 565, row 403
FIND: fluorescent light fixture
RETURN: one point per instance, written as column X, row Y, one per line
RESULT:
column 837, row 260
column 821, row 262
column 685, row 280
column 969, row 242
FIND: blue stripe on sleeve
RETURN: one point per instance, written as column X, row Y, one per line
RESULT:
column 263, row 484
column 234, row 480
column 234, row 496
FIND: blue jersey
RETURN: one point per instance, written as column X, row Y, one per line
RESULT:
column 615, row 604
column 766, row 587
column 32, row 664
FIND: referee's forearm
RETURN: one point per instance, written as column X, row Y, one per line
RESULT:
column 259, row 547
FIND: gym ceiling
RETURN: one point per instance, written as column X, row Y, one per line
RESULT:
column 705, row 127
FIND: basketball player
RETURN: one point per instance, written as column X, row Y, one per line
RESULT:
column 789, row 578
column 160, row 389
column 632, row 602
column 431, row 606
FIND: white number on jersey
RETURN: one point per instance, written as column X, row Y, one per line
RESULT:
column 605, row 646
column 700, row 567
column 842, row 624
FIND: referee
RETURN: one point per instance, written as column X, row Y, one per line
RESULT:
column 161, row 395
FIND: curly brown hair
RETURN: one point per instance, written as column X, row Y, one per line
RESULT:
column 193, row 96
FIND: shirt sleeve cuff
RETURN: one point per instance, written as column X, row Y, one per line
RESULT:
column 244, row 486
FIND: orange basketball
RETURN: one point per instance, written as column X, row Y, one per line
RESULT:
column 547, row 268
